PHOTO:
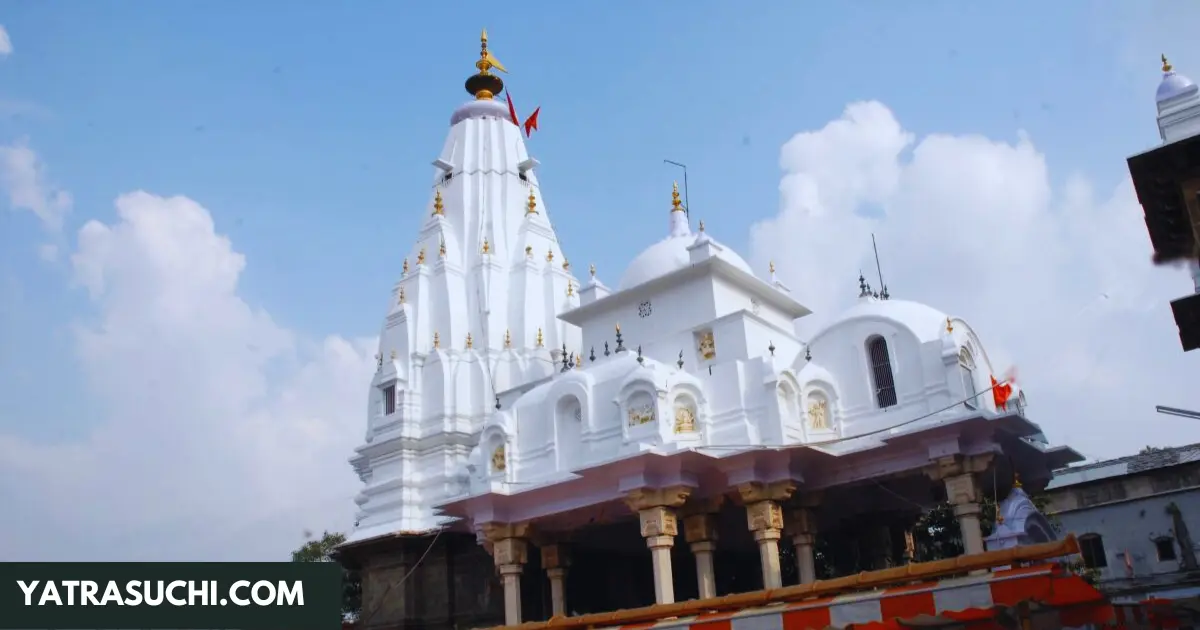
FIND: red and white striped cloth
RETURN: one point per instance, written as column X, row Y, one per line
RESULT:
column 1044, row 590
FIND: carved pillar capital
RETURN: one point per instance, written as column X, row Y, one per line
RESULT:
column 493, row 532
column 510, row 552
column 671, row 497
column 756, row 491
column 764, row 515
column 555, row 556
column 700, row 528
column 658, row 521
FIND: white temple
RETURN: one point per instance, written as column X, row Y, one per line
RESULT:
column 509, row 392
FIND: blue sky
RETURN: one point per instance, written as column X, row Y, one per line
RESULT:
column 307, row 130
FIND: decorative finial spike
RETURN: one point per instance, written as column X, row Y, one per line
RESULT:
column 421, row 257
column 470, row 342
column 771, row 348
column 438, row 208
column 401, row 295
column 487, row 247
column 592, row 270
column 442, row 248
column 606, row 352
column 771, row 267
column 566, row 265
column 676, row 204
column 531, row 205
column 539, row 337
column 404, row 270
column 949, row 326
column 507, row 338
column 437, row 341
column 529, row 251
column 807, row 353
column 592, row 354
column 640, row 359
column 483, row 37
column 570, row 289
column 497, row 402
column 680, row 361
column 550, row 255
column 701, row 225
column 1166, row 67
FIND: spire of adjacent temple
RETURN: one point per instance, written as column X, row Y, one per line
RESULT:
column 676, row 204
column 485, row 85
column 679, row 222
column 1166, row 67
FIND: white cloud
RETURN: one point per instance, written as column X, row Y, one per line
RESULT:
column 225, row 435
column 23, row 178
column 6, row 46
column 1057, row 282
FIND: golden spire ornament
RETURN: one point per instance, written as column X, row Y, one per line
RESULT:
column 437, row 341
column 438, row 208
column 771, row 266
column 570, row 289
column 566, row 265
column 549, row 255
column 507, row 338
column 485, row 85
column 404, row 270
column 676, row 204
column 442, row 248
column 949, row 326
column 402, row 295
column 529, row 251
column 592, row 270
column 1166, row 64
column 531, row 205
column 540, row 341
column 421, row 256
column 487, row 247
column 470, row 342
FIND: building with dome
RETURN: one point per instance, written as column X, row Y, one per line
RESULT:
column 541, row 444
column 1167, row 180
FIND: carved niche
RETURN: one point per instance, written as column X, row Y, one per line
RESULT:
column 707, row 345
column 818, row 412
column 499, row 459
column 640, row 409
column 685, row 417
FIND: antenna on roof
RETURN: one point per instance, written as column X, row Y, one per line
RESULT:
column 687, row 207
column 883, row 292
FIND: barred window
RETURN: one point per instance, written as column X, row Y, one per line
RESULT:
column 389, row 400
column 881, row 372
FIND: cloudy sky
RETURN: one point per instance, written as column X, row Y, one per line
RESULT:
column 207, row 204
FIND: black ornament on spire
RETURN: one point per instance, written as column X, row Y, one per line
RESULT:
column 620, row 341
column 497, row 402
column 807, row 354
column 883, row 295
column 565, row 367
column 680, row 361
column 592, row 354
column 606, row 352
column 771, row 348
column 863, row 288
column 640, row 359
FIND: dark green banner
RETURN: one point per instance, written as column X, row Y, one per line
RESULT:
column 169, row 596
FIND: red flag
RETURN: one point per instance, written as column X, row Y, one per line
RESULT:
column 531, row 122
column 512, row 111
column 1000, row 394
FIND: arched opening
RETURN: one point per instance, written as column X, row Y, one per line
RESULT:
column 883, row 380
column 568, row 421
column 966, row 369
column 818, row 412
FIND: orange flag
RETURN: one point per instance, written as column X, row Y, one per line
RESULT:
column 512, row 111
column 531, row 122
column 1000, row 393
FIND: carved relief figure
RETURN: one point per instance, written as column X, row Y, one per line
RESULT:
column 708, row 346
column 499, row 459
column 818, row 414
column 685, row 419
column 640, row 414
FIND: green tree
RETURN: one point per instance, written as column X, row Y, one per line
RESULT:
column 322, row 550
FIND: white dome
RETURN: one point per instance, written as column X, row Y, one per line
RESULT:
column 1173, row 85
column 671, row 254
column 925, row 322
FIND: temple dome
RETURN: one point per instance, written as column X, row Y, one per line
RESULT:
column 925, row 322
column 1173, row 84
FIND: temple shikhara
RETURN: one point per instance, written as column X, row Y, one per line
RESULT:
column 542, row 444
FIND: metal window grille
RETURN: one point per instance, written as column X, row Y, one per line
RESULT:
column 389, row 400
column 881, row 370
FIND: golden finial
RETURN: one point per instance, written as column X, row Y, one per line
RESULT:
column 592, row 270
column 507, row 338
column 771, row 266
column 529, row 251
column 487, row 247
column 579, row 362
column 442, row 248
column 539, row 337
column 1166, row 64
column 437, row 202
column 570, row 289
column 676, row 204
column 531, row 205
column 485, row 85
column 469, row 341
column 701, row 225
column 401, row 295
column 949, row 326
column 618, row 329
column 405, row 269
column 566, row 265
column 549, row 255
column 437, row 341
column 421, row 257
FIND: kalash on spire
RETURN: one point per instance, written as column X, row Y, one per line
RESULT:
column 480, row 286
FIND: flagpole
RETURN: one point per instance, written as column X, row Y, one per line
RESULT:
column 687, row 207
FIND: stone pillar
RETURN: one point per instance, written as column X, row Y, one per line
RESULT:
column 510, row 548
column 656, row 513
column 962, row 491
column 764, row 516
column 802, row 525
column 555, row 561
column 700, row 530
